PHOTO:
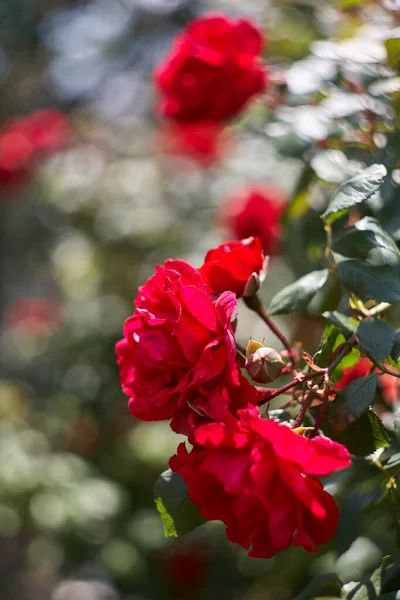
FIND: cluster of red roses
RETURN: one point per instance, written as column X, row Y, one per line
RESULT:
column 24, row 140
column 212, row 73
column 178, row 361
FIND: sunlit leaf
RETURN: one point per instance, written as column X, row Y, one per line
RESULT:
column 179, row 515
column 354, row 191
column 298, row 295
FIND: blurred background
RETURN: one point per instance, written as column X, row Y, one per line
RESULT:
column 103, row 191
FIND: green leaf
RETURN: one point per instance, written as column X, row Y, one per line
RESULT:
column 298, row 295
column 395, row 353
column 366, row 239
column 371, row 282
column 391, row 577
column 346, row 325
column 354, row 191
column 358, row 396
column 327, row 586
column 325, row 350
column 362, row 437
column 178, row 513
column 350, row 4
column 393, row 52
column 369, row 588
column 376, row 339
column 393, row 462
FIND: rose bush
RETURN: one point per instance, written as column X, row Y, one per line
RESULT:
column 213, row 70
column 260, row 479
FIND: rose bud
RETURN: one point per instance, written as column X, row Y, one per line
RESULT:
column 264, row 365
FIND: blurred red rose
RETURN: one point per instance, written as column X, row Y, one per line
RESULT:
column 255, row 211
column 260, row 479
column 229, row 266
column 25, row 139
column 33, row 316
column 213, row 70
column 186, row 568
column 178, row 346
column 390, row 387
column 47, row 130
column 360, row 369
column 205, row 142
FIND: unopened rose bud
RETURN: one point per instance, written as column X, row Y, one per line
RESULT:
column 264, row 365
column 252, row 346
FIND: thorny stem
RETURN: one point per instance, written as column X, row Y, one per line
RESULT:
column 273, row 393
column 324, row 406
column 385, row 370
column 327, row 386
column 303, row 409
column 346, row 347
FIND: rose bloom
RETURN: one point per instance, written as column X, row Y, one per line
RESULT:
column 230, row 265
column 24, row 139
column 255, row 211
column 260, row 478
column 390, row 387
column 213, row 70
column 178, row 352
column 205, row 142
column 34, row 316
column 349, row 374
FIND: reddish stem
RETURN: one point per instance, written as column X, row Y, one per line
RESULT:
column 324, row 406
column 273, row 393
column 303, row 410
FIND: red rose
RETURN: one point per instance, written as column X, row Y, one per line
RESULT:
column 23, row 140
column 230, row 265
column 260, row 479
column 47, row 130
column 255, row 211
column 360, row 369
column 213, row 70
column 178, row 347
column 390, row 387
column 205, row 142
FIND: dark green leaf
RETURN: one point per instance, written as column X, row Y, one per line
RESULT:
column 362, row 437
column 391, row 577
column 346, row 325
column 298, row 295
column 357, row 189
column 324, row 352
column 393, row 52
column 358, row 396
column 326, row 585
column 395, row 353
column 370, row 282
column 367, row 240
column 376, row 339
column 179, row 515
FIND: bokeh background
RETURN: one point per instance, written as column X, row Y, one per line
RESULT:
column 112, row 194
